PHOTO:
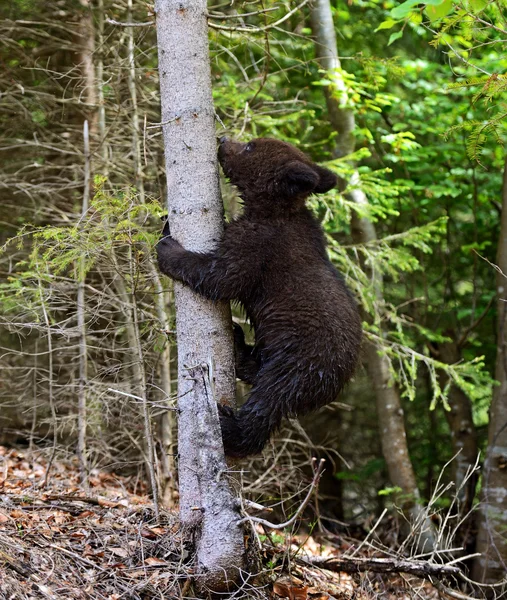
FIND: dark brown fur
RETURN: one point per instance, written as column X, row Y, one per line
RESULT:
column 273, row 261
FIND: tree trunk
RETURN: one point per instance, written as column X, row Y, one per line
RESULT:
column 87, row 42
column 390, row 412
column 491, row 566
column 204, row 332
column 81, row 326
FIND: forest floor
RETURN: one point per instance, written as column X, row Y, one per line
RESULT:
column 56, row 542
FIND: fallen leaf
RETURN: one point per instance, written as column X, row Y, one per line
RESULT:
column 155, row 562
column 17, row 514
column 287, row 587
column 119, row 552
column 147, row 533
column 136, row 574
column 106, row 503
column 158, row 530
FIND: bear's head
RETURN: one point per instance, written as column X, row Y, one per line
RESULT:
column 272, row 175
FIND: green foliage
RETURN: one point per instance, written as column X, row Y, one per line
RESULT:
column 389, row 491
column 117, row 229
column 429, row 153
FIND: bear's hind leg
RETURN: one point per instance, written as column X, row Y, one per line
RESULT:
column 247, row 431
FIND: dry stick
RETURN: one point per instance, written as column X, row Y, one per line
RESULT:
column 167, row 420
column 123, row 24
column 419, row 568
column 370, row 533
column 469, row 473
column 67, row 497
column 440, row 489
column 224, row 27
column 50, row 379
column 313, row 485
column 259, row 29
column 241, row 15
column 382, row 565
column 14, row 564
column 99, row 79
column 81, row 325
column 256, row 506
column 452, row 593
column 131, row 80
column 139, row 398
column 146, row 409
column 34, row 383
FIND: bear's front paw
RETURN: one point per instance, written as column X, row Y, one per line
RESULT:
column 167, row 250
column 165, row 220
column 228, row 425
column 226, row 412
column 166, row 247
column 239, row 336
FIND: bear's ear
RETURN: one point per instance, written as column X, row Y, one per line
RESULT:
column 327, row 180
column 298, row 178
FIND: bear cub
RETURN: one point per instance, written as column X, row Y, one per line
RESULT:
column 273, row 261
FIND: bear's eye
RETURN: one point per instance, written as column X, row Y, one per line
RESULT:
column 249, row 147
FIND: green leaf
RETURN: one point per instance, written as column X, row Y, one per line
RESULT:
column 387, row 24
column 439, row 11
column 401, row 11
column 389, row 491
column 395, row 36
column 478, row 5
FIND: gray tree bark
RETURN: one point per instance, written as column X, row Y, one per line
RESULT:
column 204, row 332
column 491, row 565
column 87, row 43
column 81, row 326
column 389, row 410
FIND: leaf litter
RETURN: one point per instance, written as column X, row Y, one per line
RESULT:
column 57, row 543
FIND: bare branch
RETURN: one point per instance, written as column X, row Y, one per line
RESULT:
column 123, row 24
column 260, row 29
column 313, row 485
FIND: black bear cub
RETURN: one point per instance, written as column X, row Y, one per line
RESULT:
column 273, row 261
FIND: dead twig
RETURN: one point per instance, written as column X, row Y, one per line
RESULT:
column 418, row 568
column 123, row 24
column 14, row 564
column 317, row 473
column 260, row 29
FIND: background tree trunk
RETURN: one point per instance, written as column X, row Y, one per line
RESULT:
column 82, row 423
column 204, row 332
column 389, row 410
column 87, row 43
column 491, row 566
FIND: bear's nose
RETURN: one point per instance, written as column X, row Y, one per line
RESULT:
column 223, row 139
